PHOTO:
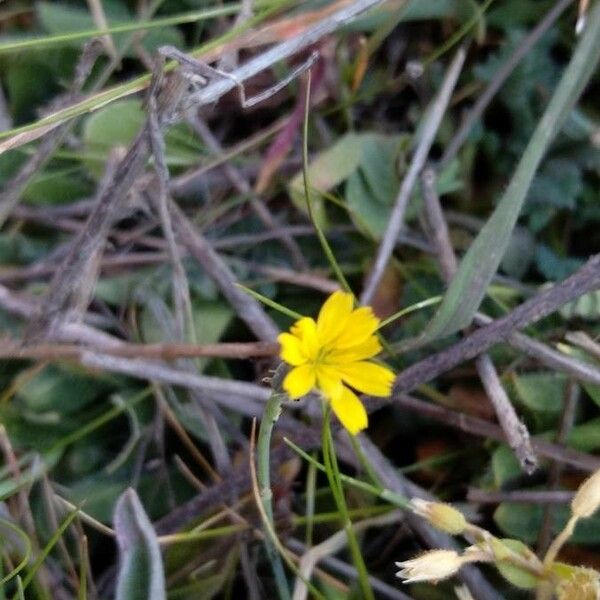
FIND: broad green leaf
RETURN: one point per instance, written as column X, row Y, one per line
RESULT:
column 120, row 289
column 328, row 169
column 554, row 267
column 210, row 321
column 61, row 389
column 518, row 577
column 118, row 124
column 585, row 437
column 141, row 575
column 57, row 187
column 585, row 307
column 505, row 465
column 541, row 392
column 523, row 521
column 468, row 287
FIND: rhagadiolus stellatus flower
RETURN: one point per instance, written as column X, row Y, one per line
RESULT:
column 434, row 565
column 440, row 515
column 332, row 355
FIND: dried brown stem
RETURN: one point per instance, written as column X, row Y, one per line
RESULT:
column 16, row 186
column 524, row 496
column 516, row 432
column 434, row 118
column 243, row 187
column 10, row 350
column 481, row 428
column 586, row 279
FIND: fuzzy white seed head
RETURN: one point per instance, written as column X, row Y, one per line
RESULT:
column 430, row 566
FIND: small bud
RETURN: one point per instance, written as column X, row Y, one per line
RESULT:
column 430, row 566
column 582, row 585
column 440, row 515
column 587, row 498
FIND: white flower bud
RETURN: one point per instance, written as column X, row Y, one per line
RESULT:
column 441, row 516
column 430, row 566
column 587, row 498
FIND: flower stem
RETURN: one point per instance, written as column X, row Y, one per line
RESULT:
column 335, row 484
column 263, row 448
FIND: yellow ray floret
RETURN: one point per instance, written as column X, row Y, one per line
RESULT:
column 332, row 355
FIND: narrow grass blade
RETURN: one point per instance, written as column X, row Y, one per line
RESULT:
column 44, row 553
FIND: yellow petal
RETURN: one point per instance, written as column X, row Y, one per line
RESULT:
column 299, row 381
column 333, row 316
column 306, row 330
column 350, row 411
column 368, row 377
column 361, row 351
column 291, row 351
column 361, row 324
column 329, row 381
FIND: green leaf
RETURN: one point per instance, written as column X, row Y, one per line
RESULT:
column 586, row 437
column 467, row 289
column 505, row 465
column 210, row 321
column 585, row 307
column 555, row 267
column 541, row 392
column 58, row 18
column 57, row 187
column 141, row 575
column 61, row 389
column 328, row 169
column 118, row 124
column 523, row 521
column 518, row 577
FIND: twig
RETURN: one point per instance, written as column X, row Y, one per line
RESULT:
column 245, row 306
column 308, row 280
column 579, row 369
column 525, row 496
column 335, row 564
column 153, row 370
column 433, row 120
column 166, row 351
column 566, row 423
column 100, row 21
column 180, row 287
column 516, row 432
column 586, row 279
column 482, row 428
column 333, row 545
column 239, row 479
column 243, row 187
column 391, row 479
column 498, row 80
column 584, row 341
column 70, row 291
column 436, row 226
column 15, row 187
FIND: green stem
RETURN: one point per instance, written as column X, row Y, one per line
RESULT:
column 322, row 239
column 335, row 483
column 263, row 452
column 311, row 485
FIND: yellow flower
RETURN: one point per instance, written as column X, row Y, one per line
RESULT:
column 331, row 354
